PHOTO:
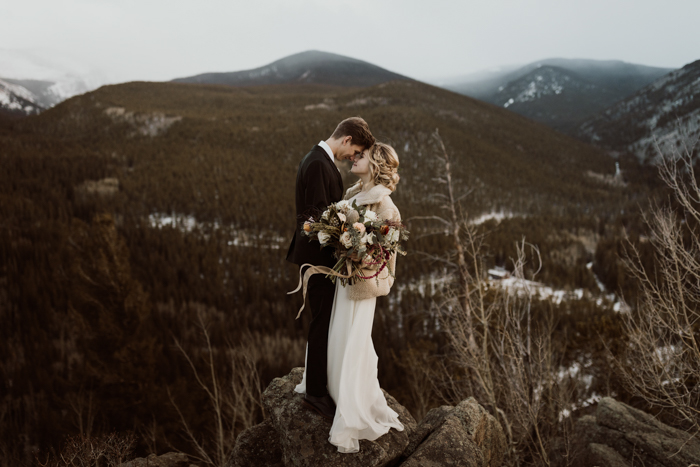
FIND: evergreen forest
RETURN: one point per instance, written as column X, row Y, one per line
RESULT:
column 144, row 229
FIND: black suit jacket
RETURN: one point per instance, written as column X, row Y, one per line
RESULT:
column 319, row 184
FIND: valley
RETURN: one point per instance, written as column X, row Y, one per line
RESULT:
column 130, row 212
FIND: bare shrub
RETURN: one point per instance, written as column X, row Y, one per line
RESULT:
column 148, row 433
column 662, row 362
column 82, row 407
column 419, row 369
column 235, row 400
column 110, row 450
column 500, row 353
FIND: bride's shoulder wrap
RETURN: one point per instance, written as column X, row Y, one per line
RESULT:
column 378, row 200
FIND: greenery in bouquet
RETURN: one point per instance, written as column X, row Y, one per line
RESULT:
column 362, row 243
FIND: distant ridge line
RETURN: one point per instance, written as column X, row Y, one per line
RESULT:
column 310, row 67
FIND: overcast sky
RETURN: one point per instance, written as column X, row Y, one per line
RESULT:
column 424, row 39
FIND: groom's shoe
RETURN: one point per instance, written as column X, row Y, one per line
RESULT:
column 324, row 405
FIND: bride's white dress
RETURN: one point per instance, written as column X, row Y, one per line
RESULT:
column 362, row 411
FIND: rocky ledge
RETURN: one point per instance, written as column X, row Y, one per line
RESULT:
column 171, row 459
column 292, row 435
column 618, row 435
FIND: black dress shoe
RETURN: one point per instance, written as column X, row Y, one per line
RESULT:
column 323, row 405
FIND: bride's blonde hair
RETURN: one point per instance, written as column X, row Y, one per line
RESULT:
column 383, row 165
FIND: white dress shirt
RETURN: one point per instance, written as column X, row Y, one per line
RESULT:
column 329, row 151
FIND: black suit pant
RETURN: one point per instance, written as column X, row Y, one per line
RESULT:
column 320, row 293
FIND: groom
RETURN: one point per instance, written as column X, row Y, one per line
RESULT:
column 318, row 185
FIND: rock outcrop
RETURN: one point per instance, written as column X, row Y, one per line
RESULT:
column 621, row 436
column 292, row 435
column 465, row 435
column 302, row 435
column 170, row 459
column 258, row 445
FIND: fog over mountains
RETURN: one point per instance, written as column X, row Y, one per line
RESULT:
column 17, row 100
column 559, row 92
column 617, row 105
column 32, row 80
column 310, row 67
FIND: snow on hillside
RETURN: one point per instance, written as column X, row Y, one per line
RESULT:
column 432, row 284
column 546, row 81
column 498, row 216
column 16, row 99
column 18, row 91
column 238, row 237
column 667, row 113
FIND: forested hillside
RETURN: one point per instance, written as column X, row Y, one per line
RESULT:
column 665, row 114
column 561, row 93
column 130, row 213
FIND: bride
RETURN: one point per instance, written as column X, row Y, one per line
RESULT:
column 361, row 409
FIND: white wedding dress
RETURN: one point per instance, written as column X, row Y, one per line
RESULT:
column 362, row 411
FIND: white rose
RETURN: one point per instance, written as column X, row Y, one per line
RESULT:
column 344, row 204
column 370, row 216
column 325, row 214
column 395, row 235
column 346, row 239
column 342, row 217
column 323, row 237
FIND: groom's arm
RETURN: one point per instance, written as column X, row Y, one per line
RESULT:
column 317, row 187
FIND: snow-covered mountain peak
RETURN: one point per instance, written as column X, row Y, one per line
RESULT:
column 543, row 81
column 17, row 100
column 49, row 76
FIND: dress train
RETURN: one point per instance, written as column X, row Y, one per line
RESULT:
column 362, row 411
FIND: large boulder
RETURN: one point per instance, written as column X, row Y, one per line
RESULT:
column 259, row 445
column 465, row 435
column 292, row 435
column 618, row 435
column 432, row 420
column 170, row 459
column 303, row 434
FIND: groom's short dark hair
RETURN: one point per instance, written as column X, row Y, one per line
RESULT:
column 358, row 129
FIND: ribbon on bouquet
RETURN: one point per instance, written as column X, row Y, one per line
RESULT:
column 304, row 279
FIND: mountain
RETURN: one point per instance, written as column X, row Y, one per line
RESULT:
column 133, row 212
column 16, row 100
column 558, row 92
column 195, row 155
column 554, row 96
column 310, row 67
column 234, row 120
column 47, row 76
column 666, row 111
column 47, row 93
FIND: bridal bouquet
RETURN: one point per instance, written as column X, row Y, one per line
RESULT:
column 360, row 239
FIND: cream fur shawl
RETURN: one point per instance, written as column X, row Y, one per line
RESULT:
column 378, row 200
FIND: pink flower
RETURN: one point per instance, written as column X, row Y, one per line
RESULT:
column 359, row 227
